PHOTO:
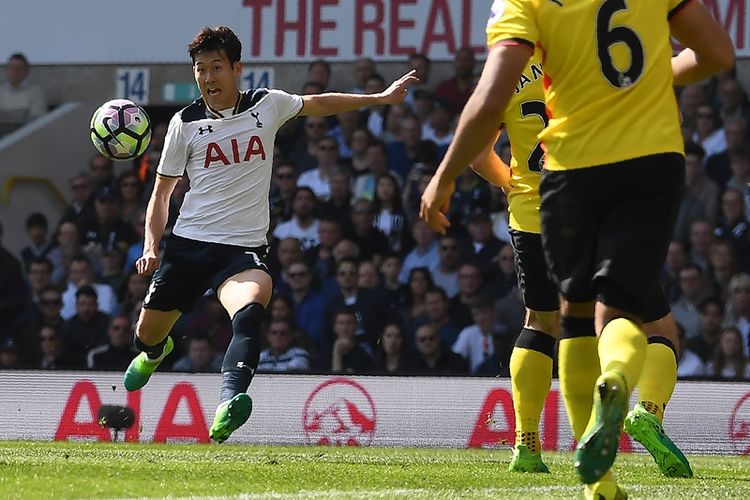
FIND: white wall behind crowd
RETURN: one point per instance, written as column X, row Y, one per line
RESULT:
column 702, row 417
column 82, row 31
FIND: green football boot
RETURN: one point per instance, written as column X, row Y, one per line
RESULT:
column 647, row 430
column 525, row 461
column 230, row 415
column 597, row 449
column 141, row 368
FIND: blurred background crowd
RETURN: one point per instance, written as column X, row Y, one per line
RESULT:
column 360, row 284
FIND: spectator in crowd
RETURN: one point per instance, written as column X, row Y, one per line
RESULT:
column 281, row 307
column 68, row 247
column 302, row 154
column 501, row 276
column 50, row 350
column 372, row 243
column 108, row 231
column 737, row 311
column 422, row 103
column 432, row 357
column 374, row 117
column 711, row 315
column 390, row 355
column 208, row 318
column 81, row 209
column 283, row 187
column 482, row 247
column 677, row 258
column 414, row 306
column 378, row 163
column 10, row 357
column 343, row 132
column 472, row 195
column 367, row 276
column 119, row 350
column 12, row 299
column 733, row 226
column 511, row 311
column 136, row 249
column 319, row 178
column 392, row 127
column 689, row 364
column 20, row 99
column 425, row 252
column 320, row 257
column 729, row 361
column 439, row 126
column 693, row 290
column 364, row 68
column 102, row 171
column 457, row 89
column 723, row 266
column 390, row 269
column 421, row 65
column 87, row 328
column 470, row 283
column 708, row 132
column 112, row 271
column 402, row 154
column 733, row 99
column 338, row 206
column 390, row 217
column 348, row 354
column 476, row 344
column 361, row 137
column 175, row 202
column 701, row 197
column 319, row 71
column 130, row 197
column 145, row 167
column 718, row 166
column 739, row 164
column 48, row 309
column 201, row 357
column 445, row 273
column 691, row 98
column 701, row 239
column 282, row 355
column 39, row 243
column 303, row 226
column 81, row 274
column 308, row 304
column 436, row 314
column 136, row 286
column 39, row 275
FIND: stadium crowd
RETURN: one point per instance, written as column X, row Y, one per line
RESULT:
column 360, row 284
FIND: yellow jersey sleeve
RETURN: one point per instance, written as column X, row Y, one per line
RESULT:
column 675, row 6
column 512, row 21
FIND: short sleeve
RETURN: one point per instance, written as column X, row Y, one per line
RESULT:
column 174, row 155
column 287, row 105
column 512, row 21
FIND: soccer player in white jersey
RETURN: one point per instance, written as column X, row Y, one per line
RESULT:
column 224, row 143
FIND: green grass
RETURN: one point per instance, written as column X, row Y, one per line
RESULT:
column 83, row 470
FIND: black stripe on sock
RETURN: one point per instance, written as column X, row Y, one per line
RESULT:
column 665, row 341
column 536, row 341
column 572, row 327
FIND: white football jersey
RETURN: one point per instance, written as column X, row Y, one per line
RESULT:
column 228, row 161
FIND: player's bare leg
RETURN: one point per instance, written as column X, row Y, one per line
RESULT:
column 244, row 296
column 153, row 340
column 531, row 376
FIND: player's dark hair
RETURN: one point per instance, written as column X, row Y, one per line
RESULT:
column 216, row 39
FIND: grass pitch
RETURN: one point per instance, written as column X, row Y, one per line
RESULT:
column 82, row 470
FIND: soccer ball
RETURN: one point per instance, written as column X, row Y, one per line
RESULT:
column 120, row 129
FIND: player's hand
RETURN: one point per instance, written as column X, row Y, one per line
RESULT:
column 147, row 263
column 435, row 203
column 396, row 93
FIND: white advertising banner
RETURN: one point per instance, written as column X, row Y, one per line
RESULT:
column 702, row 417
column 144, row 31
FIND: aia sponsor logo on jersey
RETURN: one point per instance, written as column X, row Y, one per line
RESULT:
column 339, row 412
column 236, row 151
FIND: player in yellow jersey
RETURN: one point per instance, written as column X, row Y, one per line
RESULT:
column 614, row 168
column 532, row 357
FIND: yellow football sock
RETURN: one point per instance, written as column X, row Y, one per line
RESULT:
column 622, row 347
column 578, row 361
column 530, row 376
column 658, row 378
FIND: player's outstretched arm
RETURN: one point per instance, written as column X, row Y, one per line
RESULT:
column 491, row 167
column 710, row 49
column 333, row 103
column 156, row 220
column 476, row 128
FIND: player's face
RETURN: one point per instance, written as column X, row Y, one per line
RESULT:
column 217, row 78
